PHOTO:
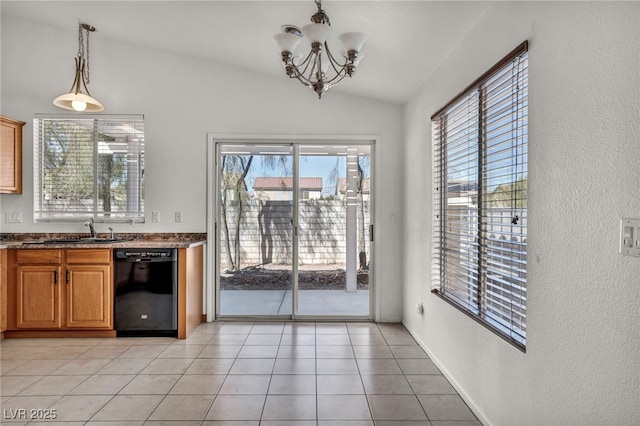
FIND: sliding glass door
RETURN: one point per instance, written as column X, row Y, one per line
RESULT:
column 333, row 230
column 255, row 226
column 293, row 230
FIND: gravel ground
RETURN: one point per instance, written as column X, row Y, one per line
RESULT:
column 278, row 277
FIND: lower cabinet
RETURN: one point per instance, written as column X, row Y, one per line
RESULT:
column 38, row 296
column 88, row 296
column 3, row 290
column 63, row 289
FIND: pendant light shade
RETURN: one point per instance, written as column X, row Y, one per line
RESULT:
column 353, row 41
column 76, row 100
column 286, row 42
column 316, row 33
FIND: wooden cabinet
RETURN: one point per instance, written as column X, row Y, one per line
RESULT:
column 38, row 296
column 63, row 289
column 10, row 155
column 38, row 289
column 3, row 290
column 190, row 289
column 89, row 289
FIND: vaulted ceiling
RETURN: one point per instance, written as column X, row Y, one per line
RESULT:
column 406, row 40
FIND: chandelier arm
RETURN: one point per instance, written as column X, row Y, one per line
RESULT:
column 304, row 62
column 341, row 72
column 298, row 73
column 333, row 60
column 302, row 80
column 307, row 62
column 338, row 78
column 299, row 76
column 315, row 69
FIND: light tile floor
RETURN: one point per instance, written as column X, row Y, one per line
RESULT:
column 231, row 373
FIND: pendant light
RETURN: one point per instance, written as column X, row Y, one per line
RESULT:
column 76, row 100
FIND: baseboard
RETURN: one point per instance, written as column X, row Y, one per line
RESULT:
column 10, row 334
column 450, row 378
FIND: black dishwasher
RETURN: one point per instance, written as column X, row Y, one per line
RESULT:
column 146, row 292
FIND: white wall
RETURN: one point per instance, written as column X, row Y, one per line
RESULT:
column 582, row 364
column 183, row 99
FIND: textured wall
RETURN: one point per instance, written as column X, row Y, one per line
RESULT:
column 184, row 99
column 582, row 364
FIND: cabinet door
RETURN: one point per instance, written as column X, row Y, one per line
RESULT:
column 10, row 156
column 38, row 297
column 88, row 298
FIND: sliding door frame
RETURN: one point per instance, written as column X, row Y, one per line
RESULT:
column 212, row 290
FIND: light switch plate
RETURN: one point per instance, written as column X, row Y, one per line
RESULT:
column 155, row 216
column 630, row 237
column 12, row 217
column 178, row 217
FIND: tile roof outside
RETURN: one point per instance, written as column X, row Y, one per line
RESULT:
column 265, row 183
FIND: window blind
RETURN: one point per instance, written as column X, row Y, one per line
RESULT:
column 479, row 255
column 89, row 166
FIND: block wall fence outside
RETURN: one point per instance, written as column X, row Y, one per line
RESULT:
column 266, row 232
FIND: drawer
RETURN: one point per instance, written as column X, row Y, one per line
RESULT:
column 89, row 256
column 49, row 257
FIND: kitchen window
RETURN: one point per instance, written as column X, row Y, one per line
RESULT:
column 480, row 198
column 88, row 167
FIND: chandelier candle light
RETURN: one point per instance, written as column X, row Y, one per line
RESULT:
column 312, row 71
column 76, row 100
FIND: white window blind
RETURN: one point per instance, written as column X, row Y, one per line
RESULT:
column 479, row 252
column 88, row 166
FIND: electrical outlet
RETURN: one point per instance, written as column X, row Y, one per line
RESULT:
column 178, row 217
column 13, row 217
column 630, row 237
column 155, row 216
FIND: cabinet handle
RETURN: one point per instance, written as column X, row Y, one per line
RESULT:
column 67, row 276
column 55, row 277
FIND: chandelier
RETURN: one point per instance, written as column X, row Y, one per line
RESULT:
column 314, row 70
column 76, row 100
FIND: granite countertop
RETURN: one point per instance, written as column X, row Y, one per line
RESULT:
column 155, row 240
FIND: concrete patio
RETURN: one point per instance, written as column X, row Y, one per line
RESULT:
column 278, row 302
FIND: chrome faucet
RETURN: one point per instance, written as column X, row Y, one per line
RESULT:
column 92, row 228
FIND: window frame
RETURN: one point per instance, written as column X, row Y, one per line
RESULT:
column 131, row 214
column 440, row 259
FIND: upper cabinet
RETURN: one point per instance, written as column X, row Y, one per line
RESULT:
column 11, row 156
